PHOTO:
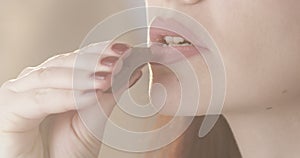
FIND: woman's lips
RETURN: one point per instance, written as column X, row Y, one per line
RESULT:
column 159, row 29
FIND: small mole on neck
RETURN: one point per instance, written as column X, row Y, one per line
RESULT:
column 284, row 91
column 269, row 108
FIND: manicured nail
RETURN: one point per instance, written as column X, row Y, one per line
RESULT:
column 101, row 75
column 135, row 77
column 119, row 48
column 109, row 61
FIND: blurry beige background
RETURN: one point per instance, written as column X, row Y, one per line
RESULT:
column 32, row 31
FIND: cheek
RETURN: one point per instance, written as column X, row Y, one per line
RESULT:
column 253, row 49
column 259, row 43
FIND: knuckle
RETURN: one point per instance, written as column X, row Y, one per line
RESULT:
column 51, row 61
column 26, row 71
column 52, row 58
column 61, row 59
column 29, row 68
column 56, row 60
column 44, row 72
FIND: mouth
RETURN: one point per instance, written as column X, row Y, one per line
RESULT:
column 168, row 36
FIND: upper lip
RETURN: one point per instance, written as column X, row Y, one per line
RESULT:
column 157, row 35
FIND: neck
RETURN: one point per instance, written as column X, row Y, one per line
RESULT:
column 272, row 132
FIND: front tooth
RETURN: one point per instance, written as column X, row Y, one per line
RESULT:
column 178, row 40
column 168, row 39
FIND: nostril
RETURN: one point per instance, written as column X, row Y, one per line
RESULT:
column 191, row 1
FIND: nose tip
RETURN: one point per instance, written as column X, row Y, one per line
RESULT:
column 190, row 1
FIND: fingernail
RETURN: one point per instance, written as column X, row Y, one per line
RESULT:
column 101, row 75
column 119, row 48
column 109, row 61
column 137, row 75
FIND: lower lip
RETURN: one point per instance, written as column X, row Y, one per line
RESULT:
column 173, row 54
column 187, row 51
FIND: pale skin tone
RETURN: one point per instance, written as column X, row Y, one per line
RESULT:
column 47, row 89
column 259, row 43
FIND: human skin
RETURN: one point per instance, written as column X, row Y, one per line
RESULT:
column 45, row 93
column 259, row 43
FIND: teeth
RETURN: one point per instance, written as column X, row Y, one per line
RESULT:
column 175, row 41
column 178, row 40
column 168, row 39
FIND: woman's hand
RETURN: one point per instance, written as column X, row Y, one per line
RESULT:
column 46, row 94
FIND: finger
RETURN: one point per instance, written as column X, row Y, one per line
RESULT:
column 60, row 78
column 135, row 77
column 108, row 65
column 61, row 101
column 90, row 60
column 119, row 89
column 118, row 48
column 29, row 108
column 95, row 47
column 86, row 58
